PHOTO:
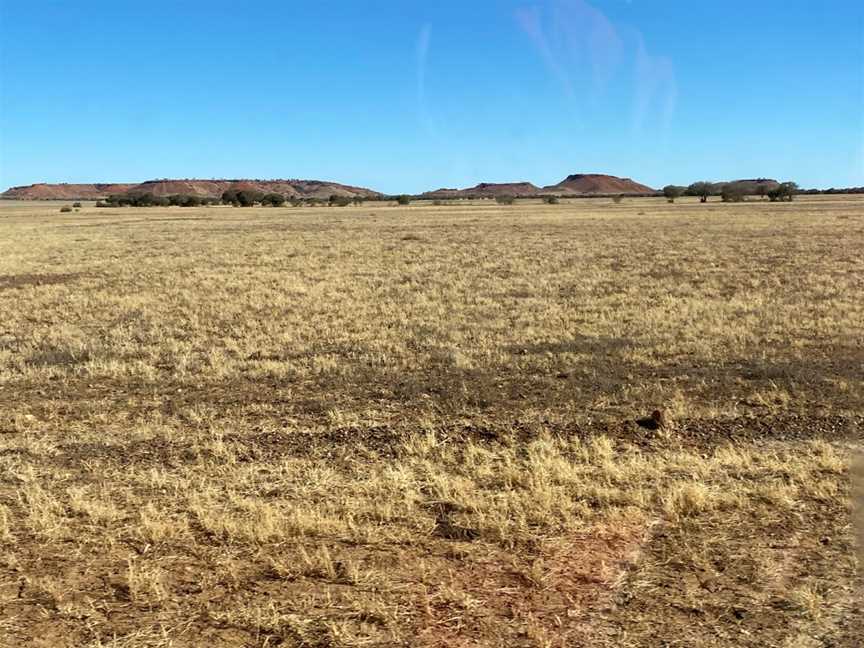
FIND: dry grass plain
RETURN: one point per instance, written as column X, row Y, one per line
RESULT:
column 382, row 426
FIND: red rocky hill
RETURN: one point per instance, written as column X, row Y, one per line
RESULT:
column 208, row 188
column 578, row 184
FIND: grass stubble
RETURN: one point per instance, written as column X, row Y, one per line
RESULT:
column 415, row 426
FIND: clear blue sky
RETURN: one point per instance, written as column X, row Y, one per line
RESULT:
column 405, row 96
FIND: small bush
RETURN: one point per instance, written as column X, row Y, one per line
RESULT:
column 66, row 209
column 505, row 200
column 76, row 204
column 551, row 200
column 732, row 193
column 273, row 200
column 672, row 192
column 617, row 199
column 403, row 200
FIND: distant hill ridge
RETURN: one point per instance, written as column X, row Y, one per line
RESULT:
column 572, row 185
column 578, row 184
column 193, row 187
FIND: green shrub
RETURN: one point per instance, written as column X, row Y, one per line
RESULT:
column 403, row 200
column 785, row 192
column 76, row 204
column 249, row 197
column 673, row 191
column 505, row 200
column 273, row 200
column 551, row 200
column 702, row 189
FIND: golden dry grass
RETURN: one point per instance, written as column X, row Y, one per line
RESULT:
column 415, row 426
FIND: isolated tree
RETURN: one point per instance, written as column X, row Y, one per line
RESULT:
column 672, row 192
column 702, row 189
column 403, row 200
column 784, row 192
column 505, row 200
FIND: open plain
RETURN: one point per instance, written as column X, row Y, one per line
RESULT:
column 416, row 426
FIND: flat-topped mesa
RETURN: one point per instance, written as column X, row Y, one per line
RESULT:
column 597, row 183
column 65, row 191
column 190, row 187
column 576, row 184
column 487, row 190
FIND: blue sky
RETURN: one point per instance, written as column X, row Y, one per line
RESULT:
column 406, row 96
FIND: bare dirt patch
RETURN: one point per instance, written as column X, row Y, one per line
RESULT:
column 8, row 282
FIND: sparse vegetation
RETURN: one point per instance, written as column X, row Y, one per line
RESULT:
column 551, row 200
column 65, row 209
column 430, row 426
column 505, row 200
column 403, row 200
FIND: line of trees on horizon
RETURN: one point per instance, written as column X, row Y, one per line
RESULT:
column 735, row 191
column 236, row 198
